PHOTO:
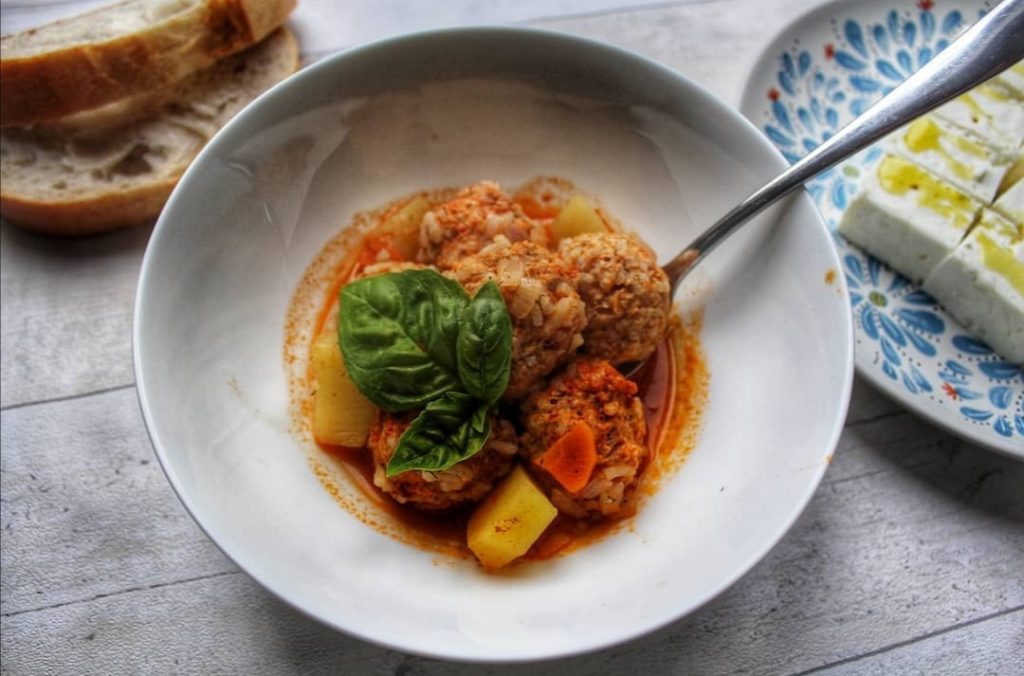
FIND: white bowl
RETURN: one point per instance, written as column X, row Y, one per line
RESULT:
column 447, row 108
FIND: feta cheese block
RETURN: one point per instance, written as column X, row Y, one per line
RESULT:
column 989, row 110
column 1011, row 203
column 907, row 217
column 945, row 150
column 982, row 284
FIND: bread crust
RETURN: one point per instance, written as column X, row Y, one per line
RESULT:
column 78, row 77
column 88, row 216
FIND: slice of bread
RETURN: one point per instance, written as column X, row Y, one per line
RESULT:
column 117, row 165
column 125, row 49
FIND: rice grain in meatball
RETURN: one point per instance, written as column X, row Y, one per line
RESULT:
column 591, row 391
column 468, row 481
column 626, row 294
column 539, row 291
column 470, row 221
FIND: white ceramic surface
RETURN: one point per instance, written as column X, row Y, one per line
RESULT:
column 445, row 108
column 817, row 75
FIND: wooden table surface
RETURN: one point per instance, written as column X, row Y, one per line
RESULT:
column 909, row 559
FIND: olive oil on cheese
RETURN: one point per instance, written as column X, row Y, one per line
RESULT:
column 897, row 177
column 924, row 135
column 1000, row 260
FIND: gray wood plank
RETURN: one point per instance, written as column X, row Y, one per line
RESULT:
column 217, row 625
column 993, row 646
column 66, row 312
column 85, row 510
column 715, row 43
column 357, row 21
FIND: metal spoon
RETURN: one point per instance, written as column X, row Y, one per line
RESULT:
column 990, row 46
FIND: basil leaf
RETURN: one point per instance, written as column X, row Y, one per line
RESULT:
column 398, row 334
column 484, row 348
column 449, row 430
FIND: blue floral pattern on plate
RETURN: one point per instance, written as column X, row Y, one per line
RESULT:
column 905, row 341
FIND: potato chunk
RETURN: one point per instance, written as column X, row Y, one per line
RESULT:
column 342, row 416
column 402, row 228
column 577, row 217
column 509, row 520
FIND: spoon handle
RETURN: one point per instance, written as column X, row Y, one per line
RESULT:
column 993, row 44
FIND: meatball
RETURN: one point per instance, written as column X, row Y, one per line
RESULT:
column 594, row 392
column 546, row 312
column 468, row 222
column 466, row 482
column 626, row 294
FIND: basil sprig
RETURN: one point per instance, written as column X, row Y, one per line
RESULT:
column 414, row 340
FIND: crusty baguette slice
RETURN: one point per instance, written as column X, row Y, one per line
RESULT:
column 122, row 50
column 116, row 166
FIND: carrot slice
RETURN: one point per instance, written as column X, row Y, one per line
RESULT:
column 571, row 459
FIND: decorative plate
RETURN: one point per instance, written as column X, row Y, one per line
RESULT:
column 822, row 71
